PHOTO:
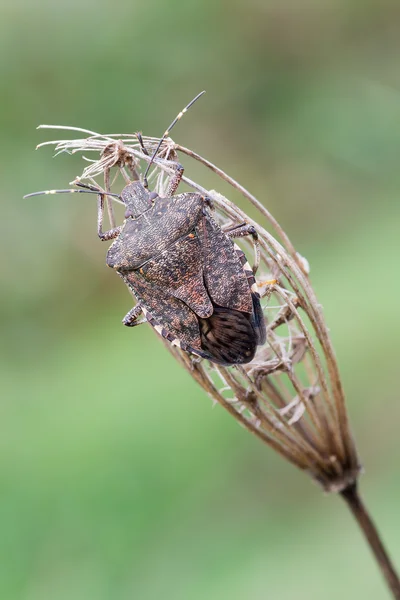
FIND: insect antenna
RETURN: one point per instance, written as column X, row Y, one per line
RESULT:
column 166, row 134
column 87, row 189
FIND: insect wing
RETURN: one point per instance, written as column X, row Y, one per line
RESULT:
column 237, row 325
column 174, row 320
column 178, row 271
column 224, row 276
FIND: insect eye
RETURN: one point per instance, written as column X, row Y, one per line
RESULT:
column 153, row 196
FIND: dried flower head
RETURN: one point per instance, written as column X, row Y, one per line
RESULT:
column 290, row 396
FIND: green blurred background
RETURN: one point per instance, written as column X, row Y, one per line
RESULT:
column 118, row 480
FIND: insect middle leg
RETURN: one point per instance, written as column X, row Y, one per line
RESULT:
column 243, row 230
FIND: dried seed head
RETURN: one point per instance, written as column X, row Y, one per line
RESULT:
column 290, row 396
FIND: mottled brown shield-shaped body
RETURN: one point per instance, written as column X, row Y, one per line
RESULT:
column 191, row 281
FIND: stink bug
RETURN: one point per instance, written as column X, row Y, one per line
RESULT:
column 191, row 282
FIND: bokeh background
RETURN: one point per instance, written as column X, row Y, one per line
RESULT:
column 118, row 479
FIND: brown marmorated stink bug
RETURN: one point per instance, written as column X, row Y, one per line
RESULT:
column 191, row 282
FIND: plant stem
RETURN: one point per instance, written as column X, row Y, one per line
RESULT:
column 354, row 502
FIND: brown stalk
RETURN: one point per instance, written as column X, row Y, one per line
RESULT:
column 354, row 502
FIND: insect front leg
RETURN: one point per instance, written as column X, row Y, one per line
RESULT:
column 131, row 318
column 111, row 233
column 141, row 143
column 244, row 230
column 175, row 179
column 110, row 208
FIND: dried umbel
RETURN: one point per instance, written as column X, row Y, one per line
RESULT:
column 290, row 395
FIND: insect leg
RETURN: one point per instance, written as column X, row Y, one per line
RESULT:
column 130, row 319
column 110, row 208
column 103, row 235
column 111, row 233
column 243, row 230
column 175, row 179
column 141, row 143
